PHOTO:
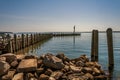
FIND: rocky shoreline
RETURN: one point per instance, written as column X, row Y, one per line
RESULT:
column 49, row 67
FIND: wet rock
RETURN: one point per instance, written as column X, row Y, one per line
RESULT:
column 4, row 67
column 48, row 72
column 75, row 69
column 18, row 76
column 9, row 75
column 9, row 57
column 14, row 63
column 27, row 65
column 53, row 62
column 56, row 74
column 43, row 77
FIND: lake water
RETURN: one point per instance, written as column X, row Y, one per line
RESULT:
column 74, row 46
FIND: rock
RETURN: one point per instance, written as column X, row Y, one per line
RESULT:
column 39, row 63
column 48, row 72
column 9, row 57
column 33, row 79
column 43, row 77
column 101, row 77
column 10, row 75
column 18, row 76
column 14, row 63
column 66, row 68
column 4, row 67
column 39, row 70
column 29, row 75
column 20, row 57
column 97, row 65
column 2, row 58
column 53, row 62
column 56, row 74
column 75, row 69
column 96, row 72
column 31, row 57
column 89, row 76
column 76, row 76
column 80, row 64
column 51, row 78
column 87, row 70
column 27, row 65
column 63, row 57
column 89, row 64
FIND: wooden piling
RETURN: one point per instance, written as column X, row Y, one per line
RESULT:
column 15, row 43
column 23, row 41
column 27, row 40
column 110, row 48
column 9, row 48
column 94, row 46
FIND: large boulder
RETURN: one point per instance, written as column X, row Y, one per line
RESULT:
column 53, row 62
column 9, row 57
column 27, row 65
column 4, row 67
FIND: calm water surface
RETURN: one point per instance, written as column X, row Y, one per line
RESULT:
column 74, row 46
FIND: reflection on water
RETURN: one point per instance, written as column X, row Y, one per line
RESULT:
column 33, row 49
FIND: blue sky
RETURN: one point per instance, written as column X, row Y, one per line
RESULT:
column 59, row 15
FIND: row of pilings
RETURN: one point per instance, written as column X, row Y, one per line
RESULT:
column 95, row 44
column 22, row 41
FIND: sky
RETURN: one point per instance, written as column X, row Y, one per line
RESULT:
column 59, row 15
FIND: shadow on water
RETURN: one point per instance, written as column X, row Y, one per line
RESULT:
column 31, row 50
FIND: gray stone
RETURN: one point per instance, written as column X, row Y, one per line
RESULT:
column 4, row 67
column 18, row 76
column 53, row 62
column 27, row 65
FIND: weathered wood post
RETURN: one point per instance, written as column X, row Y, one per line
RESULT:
column 94, row 46
column 9, row 48
column 31, row 39
column 23, row 41
column 27, row 40
column 15, row 42
column 110, row 48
